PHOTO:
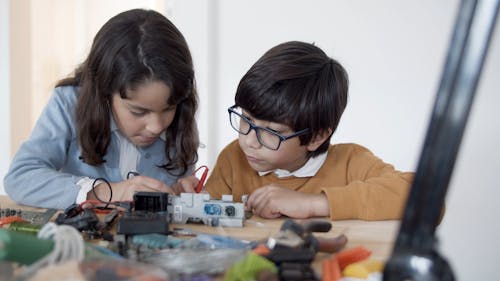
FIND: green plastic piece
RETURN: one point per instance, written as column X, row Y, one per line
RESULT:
column 249, row 268
column 23, row 248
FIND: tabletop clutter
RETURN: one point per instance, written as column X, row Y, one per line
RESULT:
column 136, row 241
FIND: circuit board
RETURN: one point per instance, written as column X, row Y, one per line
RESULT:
column 39, row 218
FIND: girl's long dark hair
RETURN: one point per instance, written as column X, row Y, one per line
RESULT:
column 132, row 48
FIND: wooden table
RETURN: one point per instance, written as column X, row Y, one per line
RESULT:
column 377, row 236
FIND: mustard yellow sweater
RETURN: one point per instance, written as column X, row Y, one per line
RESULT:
column 358, row 184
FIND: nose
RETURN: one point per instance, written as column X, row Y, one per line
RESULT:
column 155, row 124
column 251, row 139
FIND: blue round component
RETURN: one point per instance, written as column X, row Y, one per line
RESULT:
column 213, row 209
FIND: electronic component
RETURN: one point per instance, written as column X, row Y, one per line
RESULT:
column 85, row 220
column 142, row 223
column 149, row 215
column 151, row 202
column 198, row 207
column 30, row 216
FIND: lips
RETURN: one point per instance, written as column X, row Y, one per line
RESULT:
column 148, row 140
column 252, row 159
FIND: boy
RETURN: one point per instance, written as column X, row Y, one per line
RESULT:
column 288, row 105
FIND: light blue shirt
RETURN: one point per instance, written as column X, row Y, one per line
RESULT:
column 46, row 168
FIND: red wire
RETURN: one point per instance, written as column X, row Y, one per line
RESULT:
column 202, row 179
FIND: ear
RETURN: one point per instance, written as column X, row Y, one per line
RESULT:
column 319, row 139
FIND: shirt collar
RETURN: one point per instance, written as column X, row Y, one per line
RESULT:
column 310, row 168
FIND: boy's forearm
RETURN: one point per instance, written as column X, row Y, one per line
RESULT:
column 320, row 206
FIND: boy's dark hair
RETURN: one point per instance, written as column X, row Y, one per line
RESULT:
column 296, row 84
column 132, row 48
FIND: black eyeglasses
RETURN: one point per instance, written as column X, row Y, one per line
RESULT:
column 265, row 136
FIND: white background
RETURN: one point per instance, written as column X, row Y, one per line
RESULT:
column 394, row 53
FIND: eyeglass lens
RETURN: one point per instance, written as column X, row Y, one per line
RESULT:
column 243, row 126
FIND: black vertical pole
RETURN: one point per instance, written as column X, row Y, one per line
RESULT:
column 414, row 256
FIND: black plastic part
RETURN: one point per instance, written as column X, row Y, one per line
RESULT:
column 230, row 211
column 317, row 226
column 73, row 210
column 138, row 223
column 414, row 257
column 84, row 221
column 296, row 272
column 151, row 201
column 282, row 254
column 293, row 226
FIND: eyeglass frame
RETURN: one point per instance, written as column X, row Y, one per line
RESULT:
column 257, row 134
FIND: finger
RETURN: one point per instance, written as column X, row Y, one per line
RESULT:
column 262, row 199
column 188, row 184
column 269, row 206
column 260, row 206
column 253, row 198
column 271, row 215
column 176, row 187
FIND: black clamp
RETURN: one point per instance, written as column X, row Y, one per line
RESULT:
column 294, row 248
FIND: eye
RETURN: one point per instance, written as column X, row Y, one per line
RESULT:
column 138, row 113
column 170, row 108
column 278, row 129
column 274, row 131
column 247, row 118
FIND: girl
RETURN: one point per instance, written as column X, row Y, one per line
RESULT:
column 128, row 110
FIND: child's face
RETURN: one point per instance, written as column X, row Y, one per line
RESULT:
column 145, row 114
column 290, row 156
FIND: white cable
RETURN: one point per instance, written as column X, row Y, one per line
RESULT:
column 68, row 245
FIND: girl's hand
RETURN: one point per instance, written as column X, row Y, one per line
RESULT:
column 187, row 185
column 272, row 201
column 124, row 190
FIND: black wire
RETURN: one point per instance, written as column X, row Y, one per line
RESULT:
column 110, row 191
column 132, row 174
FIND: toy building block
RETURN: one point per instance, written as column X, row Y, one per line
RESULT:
column 199, row 207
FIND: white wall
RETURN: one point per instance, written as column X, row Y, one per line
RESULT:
column 4, row 90
column 394, row 52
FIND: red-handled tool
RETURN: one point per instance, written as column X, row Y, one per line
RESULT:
column 202, row 179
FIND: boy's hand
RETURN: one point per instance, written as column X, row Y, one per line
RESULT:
column 124, row 190
column 272, row 201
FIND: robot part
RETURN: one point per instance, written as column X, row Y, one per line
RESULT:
column 198, row 207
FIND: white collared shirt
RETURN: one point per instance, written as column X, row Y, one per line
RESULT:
column 310, row 168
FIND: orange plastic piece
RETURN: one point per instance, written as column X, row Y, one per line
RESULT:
column 9, row 220
column 353, row 255
column 331, row 270
column 261, row 250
